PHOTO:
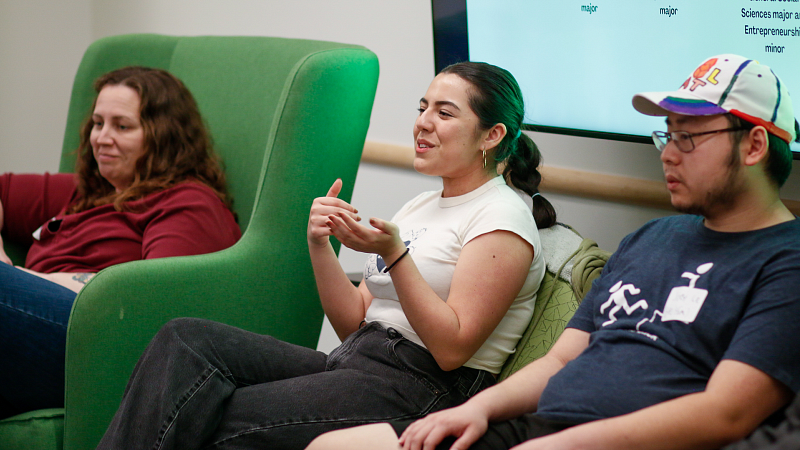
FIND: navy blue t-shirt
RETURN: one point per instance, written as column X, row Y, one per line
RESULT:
column 674, row 300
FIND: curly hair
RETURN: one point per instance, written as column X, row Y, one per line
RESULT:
column 495, row 98
column 177, row 145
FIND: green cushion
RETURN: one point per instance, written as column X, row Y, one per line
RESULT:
column 573, row 263
column 550, row 318
column 35, row 430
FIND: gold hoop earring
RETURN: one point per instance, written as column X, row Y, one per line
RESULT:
column 484, row 158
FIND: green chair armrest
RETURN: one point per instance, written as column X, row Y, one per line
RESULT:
column 121, row 309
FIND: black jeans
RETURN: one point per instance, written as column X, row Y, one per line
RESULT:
column 784, row 436
column 202, row 384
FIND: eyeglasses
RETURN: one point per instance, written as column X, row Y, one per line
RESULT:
column 683, row 139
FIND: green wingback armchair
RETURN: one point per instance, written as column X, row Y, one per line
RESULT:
column 288, row 117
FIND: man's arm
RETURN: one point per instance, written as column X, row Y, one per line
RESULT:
column 533, row 378
column 737, row 399
column 514, row 396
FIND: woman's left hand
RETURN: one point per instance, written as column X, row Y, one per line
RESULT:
column 383, row 239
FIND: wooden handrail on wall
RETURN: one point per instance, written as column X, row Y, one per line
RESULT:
column 559, row 180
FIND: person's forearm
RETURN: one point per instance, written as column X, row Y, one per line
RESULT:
column 737, row 399
column 518, row 394
column 679, row 424
column 344, row 305
column 342, row 302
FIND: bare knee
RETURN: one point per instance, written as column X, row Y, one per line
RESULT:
column 379, row 436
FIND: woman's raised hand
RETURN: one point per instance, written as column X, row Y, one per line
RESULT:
column 383, row 239
column 331, row 216
column 322, row 209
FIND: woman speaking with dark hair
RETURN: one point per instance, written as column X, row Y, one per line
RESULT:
column 147, row 185
column 449, row 287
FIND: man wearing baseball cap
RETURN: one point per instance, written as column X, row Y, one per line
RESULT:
column 689, row 339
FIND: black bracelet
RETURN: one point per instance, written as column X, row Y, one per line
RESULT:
column 386, row 269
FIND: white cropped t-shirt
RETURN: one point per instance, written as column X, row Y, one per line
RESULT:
column 435, row 229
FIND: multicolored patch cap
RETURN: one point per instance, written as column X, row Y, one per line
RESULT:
column 728, row 84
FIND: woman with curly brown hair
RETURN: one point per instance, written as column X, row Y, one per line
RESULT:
column 147, row 185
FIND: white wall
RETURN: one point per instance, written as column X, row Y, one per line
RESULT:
column 41, row 42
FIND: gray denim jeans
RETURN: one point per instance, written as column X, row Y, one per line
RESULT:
column 202, row 384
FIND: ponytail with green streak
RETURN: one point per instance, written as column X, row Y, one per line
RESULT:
column 496, row 98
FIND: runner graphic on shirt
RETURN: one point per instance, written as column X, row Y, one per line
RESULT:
column 618, row 299
column 683, row 303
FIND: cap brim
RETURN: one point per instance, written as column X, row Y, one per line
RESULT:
column 663, row 103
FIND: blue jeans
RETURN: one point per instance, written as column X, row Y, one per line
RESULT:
column 33, row 330
column 202, row 384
